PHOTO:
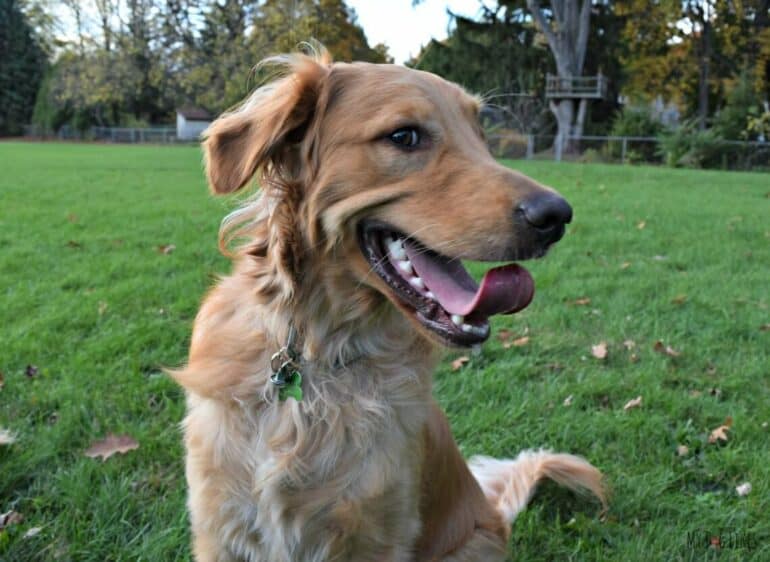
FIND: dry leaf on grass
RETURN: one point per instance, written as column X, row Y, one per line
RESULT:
column 7, row 437
column 682, row 450
column 625, row 265
column 166, row 248
column 31, row 371
column 629, row 344
column 102, row 308
column 679, row 299
column 660, row 347
column 568, row 400
column 743, row 489
column 31, row 532
column 764, row 328
column 633, row 403
column 10, row 518
column 504, row 335
column 641, row 224
column 582, row 301
column 599, row 350
column 720, row 433
column 110, row 445
column 459, row 362
column 518, row 342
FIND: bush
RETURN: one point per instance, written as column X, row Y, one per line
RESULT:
column 635, row 122
column 689, row 147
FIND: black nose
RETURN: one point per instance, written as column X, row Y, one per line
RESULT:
column 546, row 211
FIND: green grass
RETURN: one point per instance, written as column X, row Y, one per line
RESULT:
column 86, row 296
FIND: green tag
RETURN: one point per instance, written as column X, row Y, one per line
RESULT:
column 292, row 388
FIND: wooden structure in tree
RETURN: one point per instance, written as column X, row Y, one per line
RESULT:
column 590, row 87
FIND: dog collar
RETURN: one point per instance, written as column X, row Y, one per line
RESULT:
column 285, row 366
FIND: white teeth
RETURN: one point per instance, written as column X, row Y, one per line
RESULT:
column 470, row 329
column 406, row 266
column 417, row 282
column 396, row 249
column 458, row 320
column 430, row 295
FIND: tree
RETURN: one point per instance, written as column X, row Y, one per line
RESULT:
column 566, row 25
column 22, row 65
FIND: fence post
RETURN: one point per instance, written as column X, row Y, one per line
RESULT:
column 530, row 147
column 623, row 151
column 558, row 147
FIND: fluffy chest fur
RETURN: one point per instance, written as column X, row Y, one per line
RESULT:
column 335, row 474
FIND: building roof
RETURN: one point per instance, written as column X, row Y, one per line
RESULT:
column 194, row 113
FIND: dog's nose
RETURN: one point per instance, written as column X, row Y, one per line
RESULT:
column 546, row 211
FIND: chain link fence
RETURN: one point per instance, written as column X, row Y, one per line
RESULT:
column 720, row 154
column 724, row 154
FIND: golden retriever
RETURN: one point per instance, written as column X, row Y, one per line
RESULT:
column 311, row 432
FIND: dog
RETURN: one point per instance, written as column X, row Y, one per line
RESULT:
column 311, row 432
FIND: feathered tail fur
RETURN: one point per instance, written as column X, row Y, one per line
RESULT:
column 509, row 484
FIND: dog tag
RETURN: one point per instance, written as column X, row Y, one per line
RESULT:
column 292, row 388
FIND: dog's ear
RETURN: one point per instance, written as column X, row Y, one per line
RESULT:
column 275, row 116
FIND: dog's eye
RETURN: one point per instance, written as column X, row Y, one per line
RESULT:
column 406, row 137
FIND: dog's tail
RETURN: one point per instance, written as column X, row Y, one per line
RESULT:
column 509, row 484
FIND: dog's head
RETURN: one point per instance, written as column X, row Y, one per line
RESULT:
column 378, row 181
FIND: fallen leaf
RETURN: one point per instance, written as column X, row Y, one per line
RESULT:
column 599, row 350
column 764, row 328
column 459, row 362
column 31, row 371
column 504, row 335
column 641, row 224
column 166, row 248
column 73, row 218
column 695, row 393
column 682, row 450
column 74, row 244
column 110, row 445
column 743, row 489
column 31, row 532
column 581, row 301
column 633, row 403
column 7, row 437
column 10, row 518
column 634, row 358
column 102, row 308
column 660, row 347
column 519, row 342
column 629, row 344
column 568, row 401
column 679, row 299
column 720, row 433
column 625, row 265
column 659, row 257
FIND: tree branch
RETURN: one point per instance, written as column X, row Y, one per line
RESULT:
column 542, row 23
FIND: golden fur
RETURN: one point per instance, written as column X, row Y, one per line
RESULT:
column 365, row 466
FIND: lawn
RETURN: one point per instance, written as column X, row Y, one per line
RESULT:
column 92, row 308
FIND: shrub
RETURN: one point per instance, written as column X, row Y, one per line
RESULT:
column 635, row 122
column 689, row 147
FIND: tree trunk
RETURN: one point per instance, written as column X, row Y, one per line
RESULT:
column 566, row 25
column 564, row 111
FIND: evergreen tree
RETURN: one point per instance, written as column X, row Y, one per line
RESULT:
column 22, row 65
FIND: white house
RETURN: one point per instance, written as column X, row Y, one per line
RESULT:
column 191, row 122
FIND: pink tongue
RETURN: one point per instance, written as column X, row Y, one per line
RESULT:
column 504, row 290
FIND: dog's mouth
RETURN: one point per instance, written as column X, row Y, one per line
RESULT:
column 439, row 291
